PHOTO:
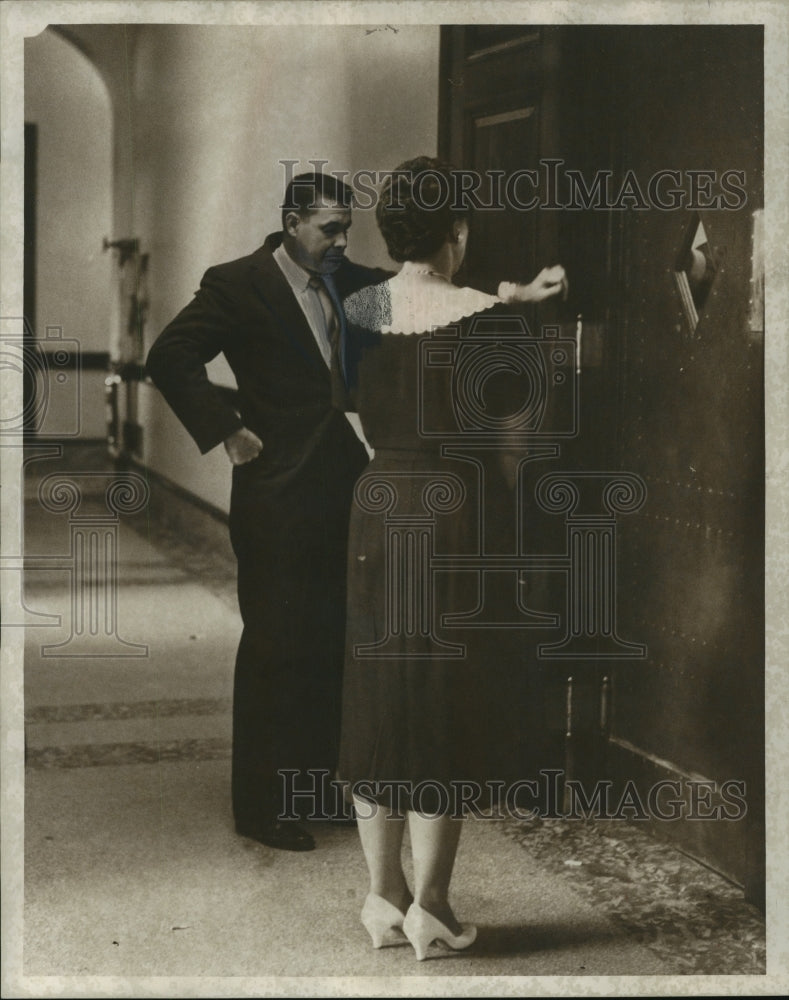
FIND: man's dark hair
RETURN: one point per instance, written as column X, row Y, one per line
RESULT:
column 307, row 192
column 417, row 207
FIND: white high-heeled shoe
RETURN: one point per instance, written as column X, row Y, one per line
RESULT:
column 384, row 922
column 422, row 928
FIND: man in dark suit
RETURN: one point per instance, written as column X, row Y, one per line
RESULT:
column 277, row 318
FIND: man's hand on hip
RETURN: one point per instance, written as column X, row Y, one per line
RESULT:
column 243, row 446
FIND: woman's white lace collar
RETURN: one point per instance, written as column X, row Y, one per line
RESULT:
column 421, row 302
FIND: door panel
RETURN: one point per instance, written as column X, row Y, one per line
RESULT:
column 677, row 402
column 691, row 424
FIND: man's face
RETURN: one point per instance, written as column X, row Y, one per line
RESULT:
column 318, row 239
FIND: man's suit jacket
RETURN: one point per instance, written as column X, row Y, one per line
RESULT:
column 247, row 310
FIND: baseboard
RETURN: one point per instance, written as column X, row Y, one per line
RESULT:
column 724, row 844
column 179, row 492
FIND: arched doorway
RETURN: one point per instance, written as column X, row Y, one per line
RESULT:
column 69, row 111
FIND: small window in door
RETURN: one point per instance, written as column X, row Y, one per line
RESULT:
column 695, row 271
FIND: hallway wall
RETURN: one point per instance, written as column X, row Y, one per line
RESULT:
column 68, row 102
column 214, row 110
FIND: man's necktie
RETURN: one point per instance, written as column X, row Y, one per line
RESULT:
column 333, row 315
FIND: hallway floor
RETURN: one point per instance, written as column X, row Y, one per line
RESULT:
column 132, row 865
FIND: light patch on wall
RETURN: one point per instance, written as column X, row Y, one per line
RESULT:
column 694, row 271
column 756, row 300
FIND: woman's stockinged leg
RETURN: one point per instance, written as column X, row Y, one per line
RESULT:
column 434, row 844
column 381, row 833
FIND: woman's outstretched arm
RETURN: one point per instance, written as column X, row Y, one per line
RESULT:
column 549, row 282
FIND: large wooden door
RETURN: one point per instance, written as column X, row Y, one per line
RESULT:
column 689, row 367
column 662, row 272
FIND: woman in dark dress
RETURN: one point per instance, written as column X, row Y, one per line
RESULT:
column 409, row 694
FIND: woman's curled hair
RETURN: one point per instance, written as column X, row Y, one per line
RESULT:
column 416, row 208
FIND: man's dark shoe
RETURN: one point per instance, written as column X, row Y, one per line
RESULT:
column 285, row 835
